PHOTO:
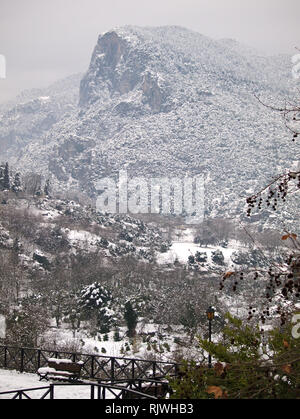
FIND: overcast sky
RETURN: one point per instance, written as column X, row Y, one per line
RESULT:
column 44, row 40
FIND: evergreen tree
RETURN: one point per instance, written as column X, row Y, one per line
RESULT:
column 131, row 318
column 17, row 186
column 117, row 337
column 96, row 305
column 1, row 178
column 6, row 180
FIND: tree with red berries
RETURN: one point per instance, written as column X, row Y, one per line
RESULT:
column 283, row 279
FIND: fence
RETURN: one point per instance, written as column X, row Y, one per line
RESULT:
column 97, row 391
column 29, row 393
column 94, row 366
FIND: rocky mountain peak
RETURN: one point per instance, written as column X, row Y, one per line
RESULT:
column 161, row 101
column 121, row 64
column 105, row 74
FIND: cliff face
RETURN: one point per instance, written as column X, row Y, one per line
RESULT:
column 162, row 102
column 118, row 67
column 108, row 52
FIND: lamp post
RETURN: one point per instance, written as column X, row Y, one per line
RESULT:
column 210, row 315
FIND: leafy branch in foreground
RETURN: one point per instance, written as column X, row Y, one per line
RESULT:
column 249, row 364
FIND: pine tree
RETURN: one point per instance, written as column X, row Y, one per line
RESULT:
column 17, row 185
column 96, row 305
column 6, row 180
column 131, row 318
column 1, row 178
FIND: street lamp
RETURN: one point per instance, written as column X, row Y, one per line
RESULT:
column 210, row 312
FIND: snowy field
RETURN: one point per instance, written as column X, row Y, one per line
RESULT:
column 137, row 348
column 13, row 380
column 182, row 250
column 183, row 246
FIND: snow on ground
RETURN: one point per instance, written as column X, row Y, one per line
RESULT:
column 98, row 345
column 44, row 211
column 182, row 250
column 152, row 342
column 82, row 235
column 183, row 246
column 44, row 98
column 13, row 380
column 82, row 238
column 83, row 343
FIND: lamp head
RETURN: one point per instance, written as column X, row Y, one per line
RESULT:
column 210, row 313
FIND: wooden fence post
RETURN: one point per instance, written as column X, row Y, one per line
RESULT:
column 154, row 369
column 22, row 360
column 51, row 391
column 112, row 370
column 5, row 357
column 92, row 392
column 93, row 367
column 132, row 369
column 39, row 359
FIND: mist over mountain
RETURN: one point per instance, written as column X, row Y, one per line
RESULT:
column 162, row 101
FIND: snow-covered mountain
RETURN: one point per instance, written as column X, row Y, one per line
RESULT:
column 33, row 113
column 159, row 101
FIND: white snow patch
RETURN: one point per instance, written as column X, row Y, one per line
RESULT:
column 182, row 250
column 13, row 380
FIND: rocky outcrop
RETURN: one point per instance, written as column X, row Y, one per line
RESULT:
column 152, row 93
column 118, row 67
column 103, row 75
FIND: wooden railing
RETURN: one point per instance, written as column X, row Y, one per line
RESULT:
column 24, row 393
column 97, row 367
column 97, row 391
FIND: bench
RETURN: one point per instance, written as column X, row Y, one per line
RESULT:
column 61, row 370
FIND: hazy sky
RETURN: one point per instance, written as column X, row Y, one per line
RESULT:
column 44, row 40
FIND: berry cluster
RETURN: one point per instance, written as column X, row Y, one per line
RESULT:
column 237, row 276
column 276, row 191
